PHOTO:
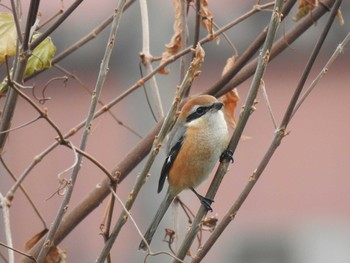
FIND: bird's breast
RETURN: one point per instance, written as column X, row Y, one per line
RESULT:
column 201, row 149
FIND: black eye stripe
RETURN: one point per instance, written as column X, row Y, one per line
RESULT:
column 200, row 111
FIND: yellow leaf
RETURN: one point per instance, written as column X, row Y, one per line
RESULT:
column 41, row 57
column 8, row 36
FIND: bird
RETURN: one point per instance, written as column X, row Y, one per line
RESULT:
column 198, row 139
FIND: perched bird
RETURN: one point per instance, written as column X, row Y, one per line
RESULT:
column 196, row 142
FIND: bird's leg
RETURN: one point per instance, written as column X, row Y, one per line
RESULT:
column 204, row 200
column 226, row 155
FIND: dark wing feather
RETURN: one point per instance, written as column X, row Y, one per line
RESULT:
column 169, row 163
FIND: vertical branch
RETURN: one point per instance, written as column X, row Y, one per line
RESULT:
column 192, row 72
column 339, row 49
column 147, row 61
column 98, row 89
column 24, row 192
column 309, row 65
column 247, row 55
column 4, row 204
column 263, row 61
column 282, row 43
column 22, row 57
column 279, row 135
column 16, row 15
column 59, row 21
column 32, row 14
column 184, row 38
column 198, row 23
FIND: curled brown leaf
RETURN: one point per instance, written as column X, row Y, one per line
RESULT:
column 174, row 46
column 230, row 99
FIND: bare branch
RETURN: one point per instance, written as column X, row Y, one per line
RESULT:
column 98, row 89
column 5, row 205
column 279, row 135
column 214, row 186
column 192, row 72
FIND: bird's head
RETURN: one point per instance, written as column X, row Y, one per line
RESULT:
column 200, row 107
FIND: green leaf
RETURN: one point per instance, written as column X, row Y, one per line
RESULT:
column 41, row 56
column 8, row 36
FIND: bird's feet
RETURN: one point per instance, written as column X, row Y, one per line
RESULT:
column 226, row 155
column 205, row 201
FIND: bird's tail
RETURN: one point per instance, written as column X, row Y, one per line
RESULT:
column 156, row 220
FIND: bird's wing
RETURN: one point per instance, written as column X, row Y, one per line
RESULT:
column 169, row 162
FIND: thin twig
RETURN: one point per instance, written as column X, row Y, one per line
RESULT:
column 5, row 205
column 16, row 16
column 192, row 72
column 98, row 89
column 31, row 258
column 146, row 95
column 96, row 196
column 47, row 21
column 267, row 101
column 42, row 113
column 197, row 26
column 279, row 135
column 59, row 21
column 218, row 89
column 92, row 159
column 214, row 186
column 25, row 193
column 107, row 222
column 2, row 256
column 20, row 62
column 92, row 35
column 146, row 59
column 22, row 125
column 104, row 105
column 129, row 215
column 337, row 52
column 184, row 38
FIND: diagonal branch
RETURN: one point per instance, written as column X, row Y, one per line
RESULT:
column 22, row 57
column 279, row 135
column 214, row 186
column 280, row 45
column 96, row 95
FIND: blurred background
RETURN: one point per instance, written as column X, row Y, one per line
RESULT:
column 297, row 212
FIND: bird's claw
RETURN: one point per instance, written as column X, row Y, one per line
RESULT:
column 226, row 155
column 206, row 202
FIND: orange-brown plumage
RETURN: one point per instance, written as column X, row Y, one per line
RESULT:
column 196, row 142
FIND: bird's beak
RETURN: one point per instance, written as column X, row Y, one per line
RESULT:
column 217, row 105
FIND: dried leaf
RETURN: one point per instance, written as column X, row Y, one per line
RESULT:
column 207, row 19
column 304, row 8
column 175, row 43
column 31, row 242
column 8, row 36
column 209, row 223
column 229, row 64
column 41, row 57
column 56, row 254
column 230, row 99
column 197, row 61
column 340, row 17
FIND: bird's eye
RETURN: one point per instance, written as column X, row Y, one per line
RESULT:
column 200, row 110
